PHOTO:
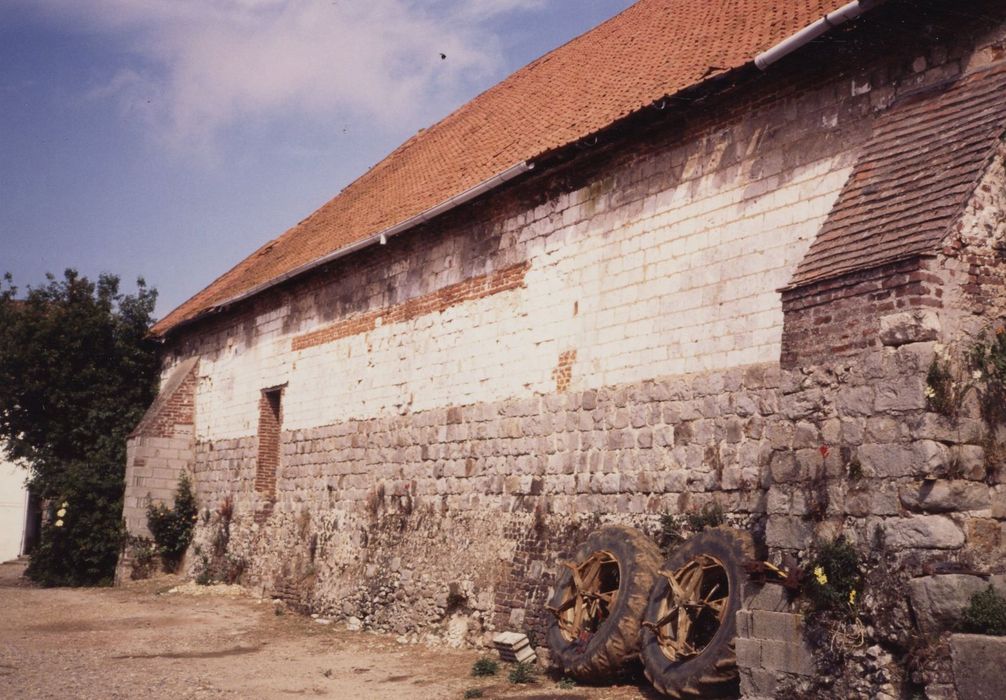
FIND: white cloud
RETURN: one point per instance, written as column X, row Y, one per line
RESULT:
column 197, row 67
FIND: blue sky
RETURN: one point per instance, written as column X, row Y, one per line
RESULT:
column 169, row 138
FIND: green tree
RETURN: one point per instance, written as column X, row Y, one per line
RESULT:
column 77, row 371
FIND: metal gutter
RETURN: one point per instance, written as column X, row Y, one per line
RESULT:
column 380, row 237
column 845, row 13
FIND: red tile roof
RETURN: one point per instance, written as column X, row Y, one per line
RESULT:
column 913, row 177
column 651, row 50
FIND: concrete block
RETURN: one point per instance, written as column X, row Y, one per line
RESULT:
column 791, row 533
column 777, row 626
column 744, row 623
column 749, row 652
column 916, row 326
column 758, row 683
column 768, row 596
column 787, row 657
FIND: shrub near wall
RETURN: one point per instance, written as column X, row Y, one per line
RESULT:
column 172, row 526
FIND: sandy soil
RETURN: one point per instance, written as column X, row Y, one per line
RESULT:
column 140, row 641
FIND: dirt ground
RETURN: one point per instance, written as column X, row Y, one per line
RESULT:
column 140, row 641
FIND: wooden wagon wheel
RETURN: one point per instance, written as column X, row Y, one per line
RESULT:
column 689, row 627
column 692, row 612
column 598, row 603
column 590, row 596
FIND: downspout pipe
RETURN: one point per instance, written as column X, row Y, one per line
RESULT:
column 846, row 13
column 382, row 236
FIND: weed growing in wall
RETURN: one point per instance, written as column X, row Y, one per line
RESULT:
column 219, row 565
column 670, row 532
column 986, row 613
column 834, row 577
column 710, row 515
column 172, row 527
column 988, row 362
column 944, row 389
column 673, row 528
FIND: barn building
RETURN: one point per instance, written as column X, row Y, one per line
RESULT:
column 706, row 258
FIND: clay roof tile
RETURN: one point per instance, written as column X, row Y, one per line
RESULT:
column 653, row 49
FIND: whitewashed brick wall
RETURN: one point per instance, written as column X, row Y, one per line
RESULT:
column 679, row 281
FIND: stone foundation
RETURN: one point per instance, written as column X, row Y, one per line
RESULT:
column 408, row 522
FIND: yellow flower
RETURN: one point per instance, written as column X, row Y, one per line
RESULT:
column 852, row 597
column 929, row 392
column 59, row 523
column 61, row 512
column 822, row 578
column 65, row 505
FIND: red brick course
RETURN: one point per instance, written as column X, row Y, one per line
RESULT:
column 438, row 301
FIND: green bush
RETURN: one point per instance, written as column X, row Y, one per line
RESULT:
column 81, row 542
column 473, row 693
column 172, row 527
column 833, row 576
column 986, row 613
column 485, row 666
column 142, row 557
column 521, row 673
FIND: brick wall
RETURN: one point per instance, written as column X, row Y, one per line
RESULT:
column 177, row 409
column 269, row 425
column 841, row 317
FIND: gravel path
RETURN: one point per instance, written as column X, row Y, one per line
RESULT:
column 140, row 641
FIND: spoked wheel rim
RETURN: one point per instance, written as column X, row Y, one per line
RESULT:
column 590, row 596
column 693, row 608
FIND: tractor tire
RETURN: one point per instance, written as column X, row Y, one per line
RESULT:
column 608, row 641
column 705, row 665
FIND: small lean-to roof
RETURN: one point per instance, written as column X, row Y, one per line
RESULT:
column 654, row 49
column 913, row 178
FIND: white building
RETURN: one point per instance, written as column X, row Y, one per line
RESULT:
column 13, row 509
